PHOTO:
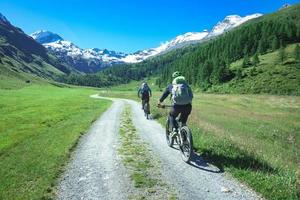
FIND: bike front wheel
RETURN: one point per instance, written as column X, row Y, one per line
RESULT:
column 147, row 110
column 170, row 140
column 186, row 148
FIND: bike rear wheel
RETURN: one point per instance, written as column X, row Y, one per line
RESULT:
column 147, row 109
column 170, row 140
column 186, row 148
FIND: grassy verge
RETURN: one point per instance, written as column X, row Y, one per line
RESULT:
column 144, row 169
column 39, row 125
column 254, row 137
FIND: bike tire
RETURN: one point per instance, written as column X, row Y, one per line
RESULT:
column 146, row 110
column 186, row 148
column 170, row 140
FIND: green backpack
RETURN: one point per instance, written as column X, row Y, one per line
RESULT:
column 181, row 91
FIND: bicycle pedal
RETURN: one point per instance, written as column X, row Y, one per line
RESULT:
column 173, row 134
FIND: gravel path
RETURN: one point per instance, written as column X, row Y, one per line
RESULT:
column 196, row 181
column 95, row 172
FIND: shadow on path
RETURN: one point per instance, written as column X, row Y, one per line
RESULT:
column 198, row 162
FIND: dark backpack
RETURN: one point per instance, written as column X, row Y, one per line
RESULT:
column 145, row 89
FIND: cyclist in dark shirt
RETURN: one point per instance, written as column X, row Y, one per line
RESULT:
column 176, row 109
column 144, row 93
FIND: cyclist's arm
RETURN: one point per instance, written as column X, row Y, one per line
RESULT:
column 166, row 93
column 139, row 91
column 150, row 92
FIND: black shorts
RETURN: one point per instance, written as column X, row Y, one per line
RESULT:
column 183, row 110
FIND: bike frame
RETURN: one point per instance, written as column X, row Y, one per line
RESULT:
column 179, row 137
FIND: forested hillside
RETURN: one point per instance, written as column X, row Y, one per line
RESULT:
column 211, row 64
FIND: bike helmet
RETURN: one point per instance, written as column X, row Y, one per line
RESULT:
column 176, row 74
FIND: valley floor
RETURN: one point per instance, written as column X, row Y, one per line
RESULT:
column 96, row 172
column 39, row 125
column 254, row 137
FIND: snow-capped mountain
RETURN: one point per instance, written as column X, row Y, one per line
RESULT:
column 86, row 60
column 45, row 37
column 177, row 42
column 92, row 60
column 229, row 23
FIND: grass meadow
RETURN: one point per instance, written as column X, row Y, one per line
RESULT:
column 39, row 125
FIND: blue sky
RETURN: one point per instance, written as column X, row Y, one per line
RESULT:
column 127, row 25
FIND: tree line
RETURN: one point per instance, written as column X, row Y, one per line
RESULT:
column 207, row 64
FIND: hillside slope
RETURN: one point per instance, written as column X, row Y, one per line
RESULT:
column 270, row 75
column 207, row 65
column 23, row 59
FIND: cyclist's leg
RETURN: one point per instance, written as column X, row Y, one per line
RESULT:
column 174, row 112
column 185, row 112
column 143, row 103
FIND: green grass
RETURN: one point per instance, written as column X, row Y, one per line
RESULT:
column 270, row 76
column 254, row 137
column 10, row 79
column 134, row 85
column 39, row 125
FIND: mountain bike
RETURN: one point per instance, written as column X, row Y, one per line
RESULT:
column 182, row 136
column 146, row 109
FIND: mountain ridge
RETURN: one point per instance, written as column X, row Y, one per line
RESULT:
column 24, row 59
column 93, row 59
column 260, row 56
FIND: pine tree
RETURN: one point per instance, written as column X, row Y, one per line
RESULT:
column 246, row 61
column 238, row 73
column 223, row 73
column 216, row 64
column 297, row 52
column 282, row 54
column 282, row 43
column 255, row 60
column 206, row 72
column 298, row 33
column 275, row 43
column 245, row 51
column 262, row 46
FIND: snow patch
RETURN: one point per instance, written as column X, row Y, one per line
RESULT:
column 55, row 43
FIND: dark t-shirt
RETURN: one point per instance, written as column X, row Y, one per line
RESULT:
column 145, row 95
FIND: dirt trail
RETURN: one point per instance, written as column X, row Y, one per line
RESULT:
column 95, row 172
column 199, row 180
